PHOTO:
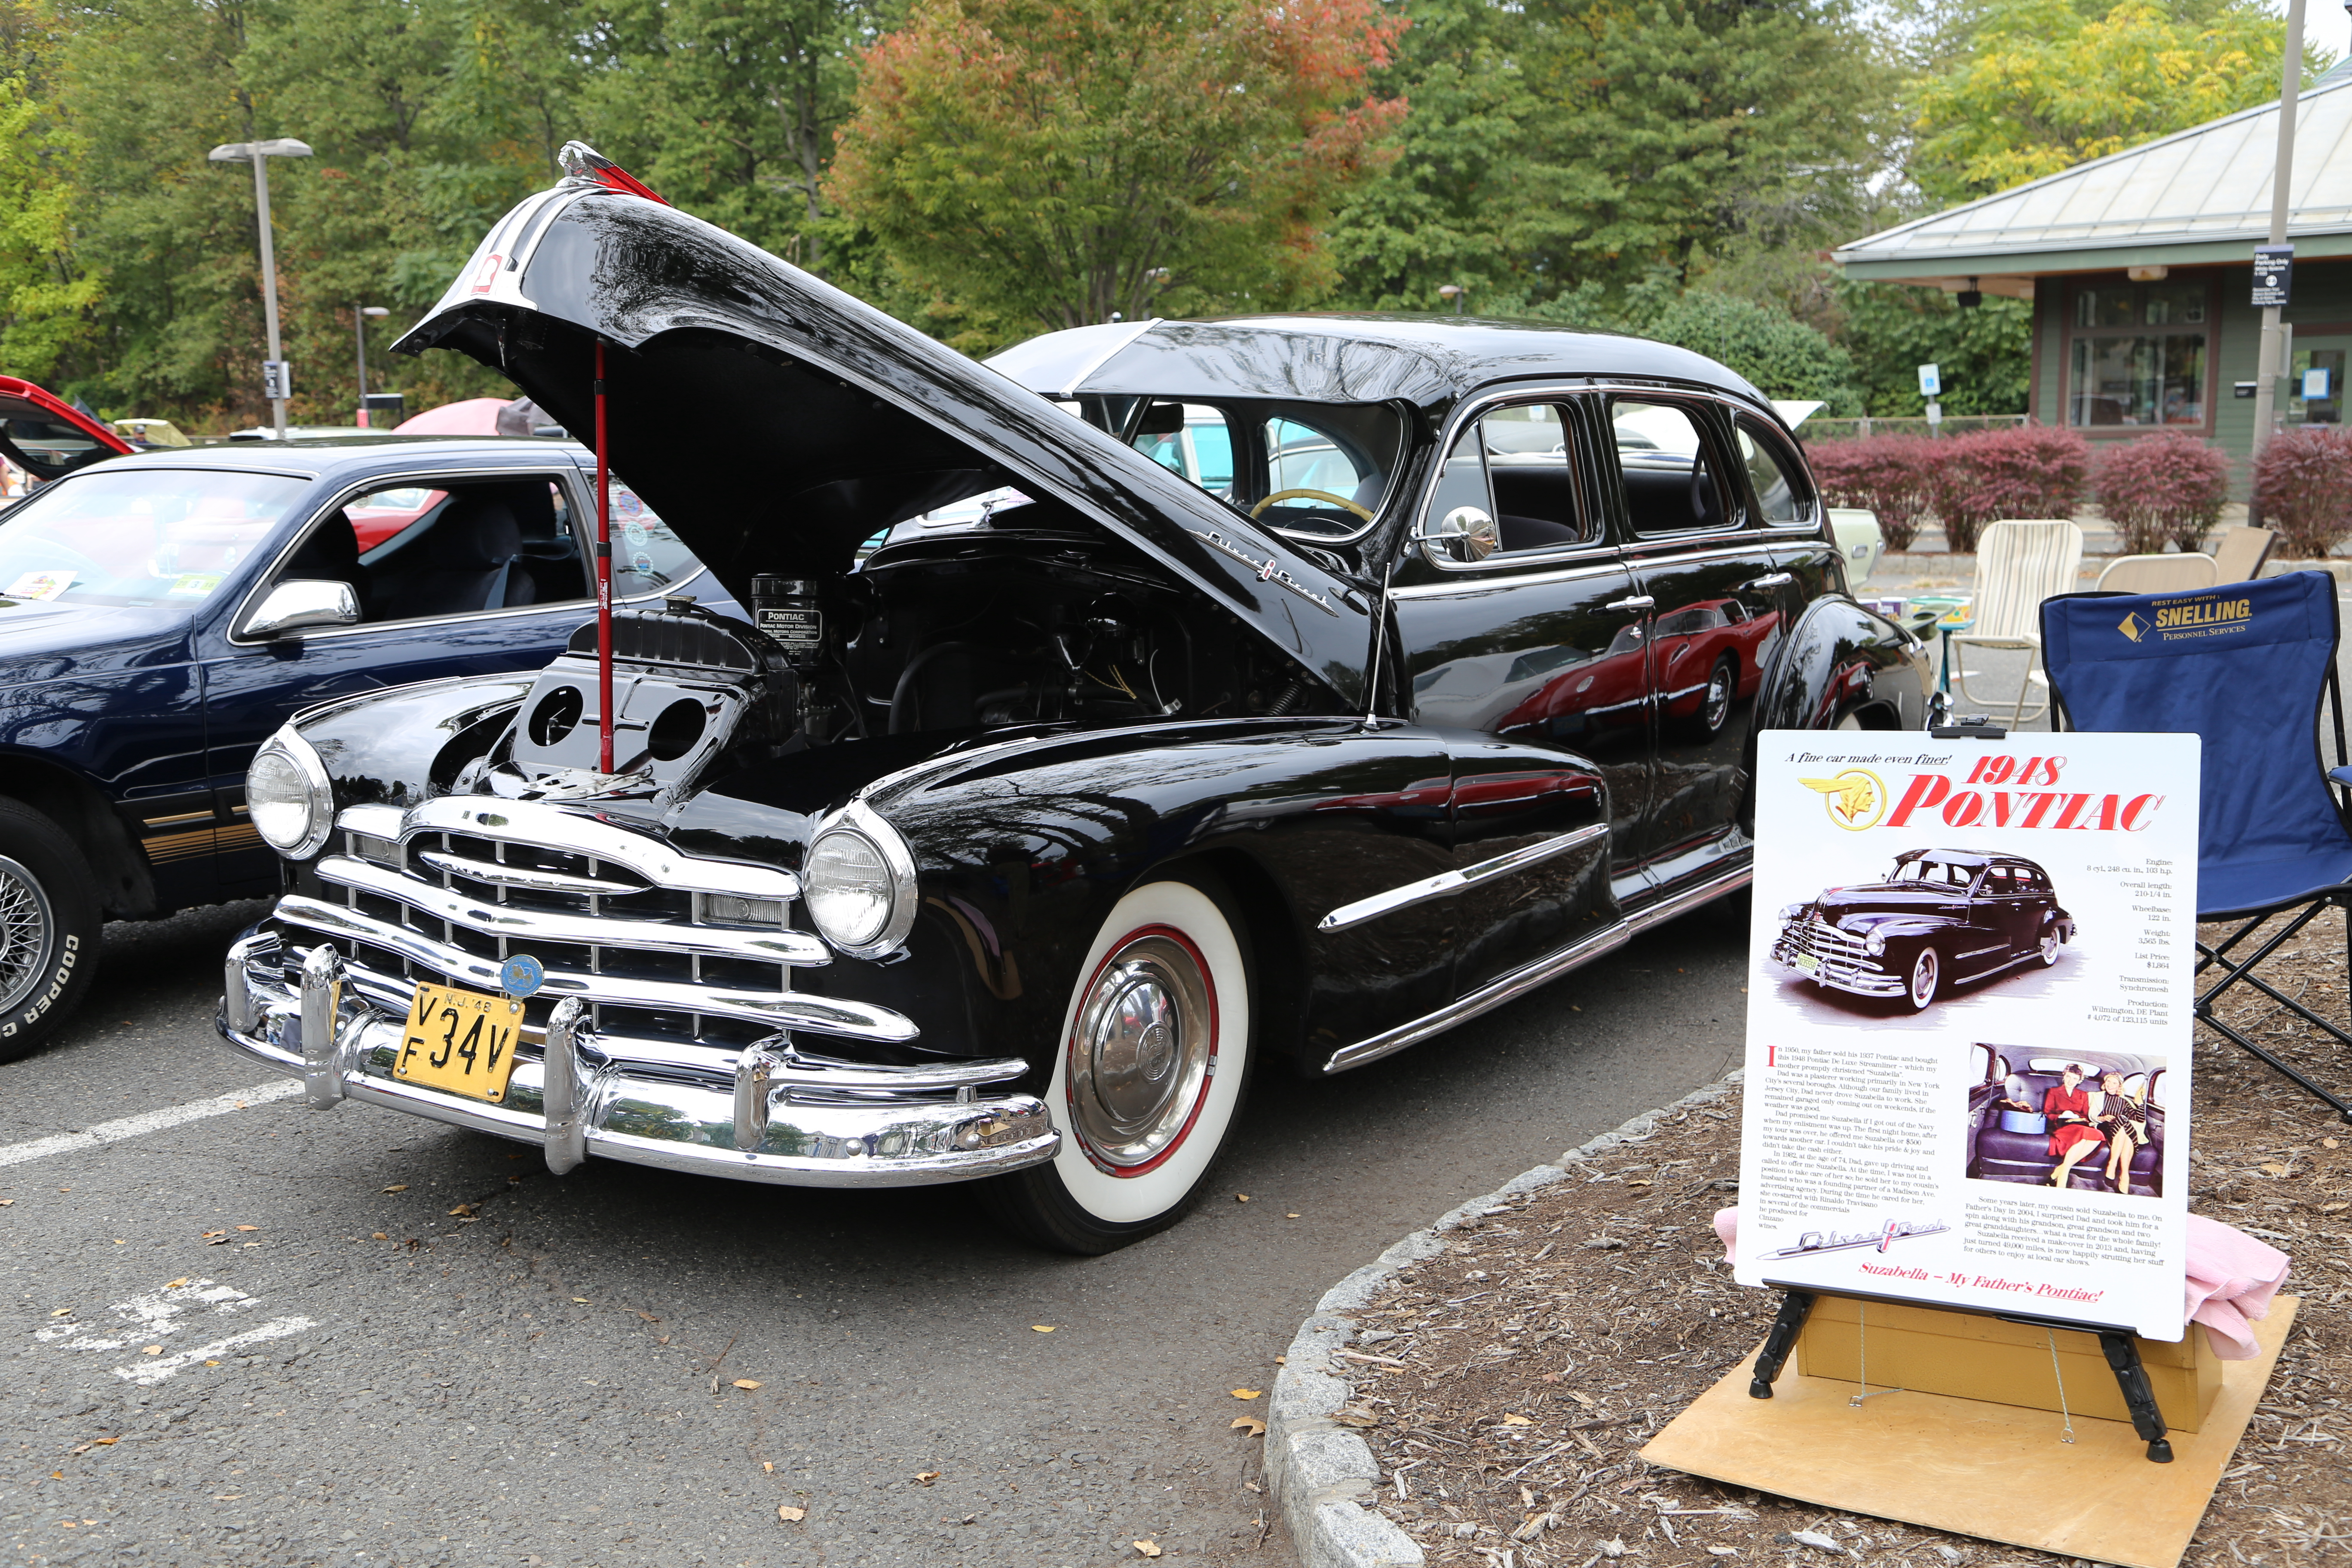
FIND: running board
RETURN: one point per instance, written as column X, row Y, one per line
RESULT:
column 1521, row 982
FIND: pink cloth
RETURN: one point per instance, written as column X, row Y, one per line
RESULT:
column 2231, row 1279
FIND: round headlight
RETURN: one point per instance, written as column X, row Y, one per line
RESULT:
column 860, row 884
column 1873, row 944
column 1792, row 911
column 287, row 797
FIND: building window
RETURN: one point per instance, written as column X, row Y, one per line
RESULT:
column 2138, row 355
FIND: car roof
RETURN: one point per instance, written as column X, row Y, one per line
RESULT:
column 319, row 457
column 1947, row 856
column 1344, row 358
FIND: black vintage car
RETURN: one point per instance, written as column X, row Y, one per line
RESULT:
column 1012, row 849
column 1941, row 919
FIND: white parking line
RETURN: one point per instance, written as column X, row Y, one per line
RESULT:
column 148, row 1121
column 146, row 1375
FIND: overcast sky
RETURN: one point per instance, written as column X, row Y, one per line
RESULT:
column 2325, row 24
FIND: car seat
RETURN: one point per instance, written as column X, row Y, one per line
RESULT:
column 547, row 565
column 471, row 552
column 330, row 555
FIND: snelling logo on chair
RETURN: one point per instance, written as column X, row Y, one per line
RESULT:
column 2131, row 626
column 1854, row 797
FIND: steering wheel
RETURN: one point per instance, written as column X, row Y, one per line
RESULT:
column 1259, row 509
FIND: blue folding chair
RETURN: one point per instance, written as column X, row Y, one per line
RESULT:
column 2246, row 666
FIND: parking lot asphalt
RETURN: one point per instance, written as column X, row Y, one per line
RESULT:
column 271, row 1335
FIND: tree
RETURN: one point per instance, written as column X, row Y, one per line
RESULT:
column 46, row 295
column 1781, row 355
column 1049, row 162
column 2045, row 87
column 1673, row 128
column 1891, row 328
column 730, row 107
column 1448, row 209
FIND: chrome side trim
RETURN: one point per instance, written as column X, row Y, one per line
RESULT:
column 546, row 826
column 1447, row 883
column 517, row 876
column 517, row 924
column 1521, row 982
column 1498, row 578
column 777, row 1009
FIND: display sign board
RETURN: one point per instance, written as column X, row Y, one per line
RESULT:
column 1931, row 380
column 1970, row 972
column 2274, row 275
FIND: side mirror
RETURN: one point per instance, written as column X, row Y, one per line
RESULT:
column 303, row 601
column 1466, row 535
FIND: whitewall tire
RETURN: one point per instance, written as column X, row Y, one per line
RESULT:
column 1149, row 1073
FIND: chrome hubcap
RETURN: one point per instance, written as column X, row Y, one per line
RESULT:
column 1142, row 1052
column 24, row 926
column 1719, row 698
column 1923, row 979
column 2048, row 948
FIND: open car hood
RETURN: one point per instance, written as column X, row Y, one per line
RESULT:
column 776, row 422
column 49, row 439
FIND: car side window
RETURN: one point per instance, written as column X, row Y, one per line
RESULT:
column 1672, row 476
column 421, row 549
column 1782, row 500
column 1521, row 466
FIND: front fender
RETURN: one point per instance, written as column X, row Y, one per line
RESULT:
column 405, row 745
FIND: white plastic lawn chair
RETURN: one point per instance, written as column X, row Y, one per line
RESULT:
column 2241, row 552
column 2158, row 575
column 2019, row 562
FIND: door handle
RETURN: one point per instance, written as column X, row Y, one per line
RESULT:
column 1638, row 602
column 1773, row 580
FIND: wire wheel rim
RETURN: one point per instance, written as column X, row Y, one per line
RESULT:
column 1142, row 1052
column 27, row 928
column 1925, row 971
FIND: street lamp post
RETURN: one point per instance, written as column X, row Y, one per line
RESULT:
column 1452, row 291
column 2268, row 368
column 359, row 314
column 275, row 382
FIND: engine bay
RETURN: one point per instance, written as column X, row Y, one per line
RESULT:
column 1027, row 621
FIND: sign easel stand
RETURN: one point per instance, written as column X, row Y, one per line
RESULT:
column 2117, row 1344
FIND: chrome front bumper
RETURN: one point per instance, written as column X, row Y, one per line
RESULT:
column 769, row 1114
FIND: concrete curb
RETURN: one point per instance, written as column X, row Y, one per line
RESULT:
column 1319, row 1472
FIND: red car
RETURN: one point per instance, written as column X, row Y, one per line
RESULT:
column 1710, row 655
column 49, row 439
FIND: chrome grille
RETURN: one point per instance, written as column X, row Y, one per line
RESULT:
column 1840, row 957
column 621, row 921
column 1822, row 940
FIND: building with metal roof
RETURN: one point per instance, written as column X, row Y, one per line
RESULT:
column 2140, row 268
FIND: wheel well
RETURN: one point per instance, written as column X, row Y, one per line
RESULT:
column 1875, row 715
column 124, row 886
column 1277, row 960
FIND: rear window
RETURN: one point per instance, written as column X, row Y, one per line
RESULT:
column 148, row 536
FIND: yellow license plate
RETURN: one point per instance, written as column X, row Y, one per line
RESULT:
column 461, row 1041
column 1809, row 962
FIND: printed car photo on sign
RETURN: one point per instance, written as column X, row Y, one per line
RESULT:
column 1938, row 921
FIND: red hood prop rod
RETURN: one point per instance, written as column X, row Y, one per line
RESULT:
column 603, row 580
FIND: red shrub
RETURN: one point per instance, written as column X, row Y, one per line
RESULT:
column 2158, row 488
column 1887, row 474
column 2303, row 485
column 2033, row 470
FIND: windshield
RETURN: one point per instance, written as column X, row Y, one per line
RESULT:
column 1936, row 873
column 151, row 536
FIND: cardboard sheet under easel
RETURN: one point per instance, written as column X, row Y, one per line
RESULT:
column 1995, row 1472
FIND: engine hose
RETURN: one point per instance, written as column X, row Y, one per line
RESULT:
column 902, row 694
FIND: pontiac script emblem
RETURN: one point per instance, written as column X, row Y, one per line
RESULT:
column 1267, row 570
column 1854, row 797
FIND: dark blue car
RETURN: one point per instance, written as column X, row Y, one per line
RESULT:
column 161, row 614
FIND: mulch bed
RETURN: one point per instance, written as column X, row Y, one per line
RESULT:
column 1556, row 1334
